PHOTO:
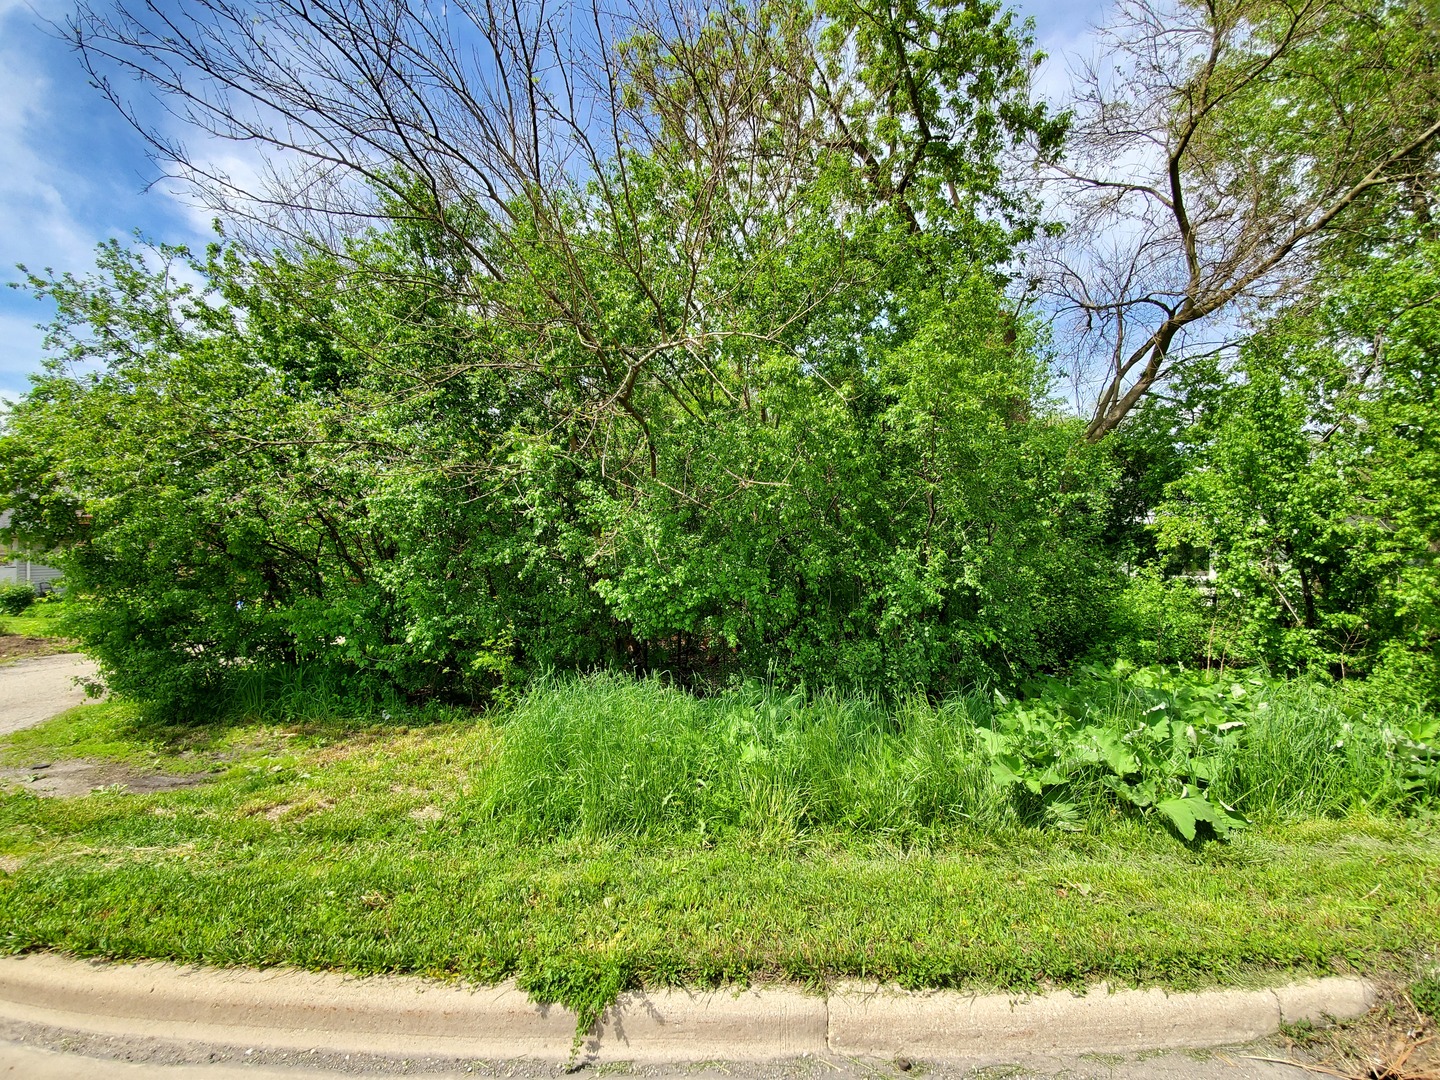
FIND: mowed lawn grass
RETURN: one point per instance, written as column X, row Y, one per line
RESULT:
column 376, row 849
column 37, row 621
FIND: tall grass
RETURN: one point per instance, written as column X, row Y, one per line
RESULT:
column 1314, row 751
column 311, row 696
column 610, row 756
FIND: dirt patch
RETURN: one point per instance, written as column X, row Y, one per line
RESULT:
column 298, row 810
column 1393, row 1041
column 18, row 646
column 69, row 779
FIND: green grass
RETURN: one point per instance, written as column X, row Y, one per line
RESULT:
column 612, row 757
column 38, row 621
column 609, row 756
column 609, row 834
column 399, row 897
column 117, row 731
column 606, row 834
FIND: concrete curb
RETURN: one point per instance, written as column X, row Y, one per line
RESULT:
column 297, row 1010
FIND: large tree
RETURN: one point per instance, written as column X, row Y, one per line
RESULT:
column 657, row 189
column 695, row 354
column 1218, row 145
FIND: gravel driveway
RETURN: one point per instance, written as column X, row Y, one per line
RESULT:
column 36, row 689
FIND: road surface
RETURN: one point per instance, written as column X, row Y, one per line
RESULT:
column 37, row 688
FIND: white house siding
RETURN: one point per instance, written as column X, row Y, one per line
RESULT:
column 25, row 572
column 20, row 570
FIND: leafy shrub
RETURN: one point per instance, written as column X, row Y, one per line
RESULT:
column 1415, row 747
column 881, row 504
column 16, row 598
column 1160, row 621
column 1156, row 739
column 1425, row 995
column 1405, row 675
column 1315, row 488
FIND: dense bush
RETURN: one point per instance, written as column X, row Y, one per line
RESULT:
column 752, row 391
column 1159, row 620
column 16, row 598
column 1313, row 484
column 246, row 489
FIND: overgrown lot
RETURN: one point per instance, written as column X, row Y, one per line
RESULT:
column 605, row 833
column 774, row 346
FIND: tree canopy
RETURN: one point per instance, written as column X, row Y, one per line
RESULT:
column 730, row 343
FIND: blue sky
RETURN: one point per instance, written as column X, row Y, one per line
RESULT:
column 73, row 173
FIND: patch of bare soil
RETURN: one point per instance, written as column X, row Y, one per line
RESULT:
column 19, row 647
column 1393, row 1041
column 290, row 811
column 69, row 779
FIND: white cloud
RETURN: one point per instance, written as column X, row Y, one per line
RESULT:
column 40, row 228
column 243, row 168
column 1066, row 33
column 69, row 176
column 19, row 351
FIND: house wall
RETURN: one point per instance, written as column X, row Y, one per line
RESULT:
column 25, row 572
column 20, row 570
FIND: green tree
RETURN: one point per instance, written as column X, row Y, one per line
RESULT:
column 1315, row 486
column 301, row 464
column 1218, row 150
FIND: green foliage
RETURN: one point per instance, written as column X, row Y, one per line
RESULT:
column 1415, row 744
column 943, row 90
column 1158, row 740
column 735, row 395
column 509, row 432
column 585, row 986
column 235, row 486
column 1157, row 620
column 15, row 598
column 611, row 757
column 1315, row 482
column 1201, row 751
column 1425, row 995
column 1271, row 513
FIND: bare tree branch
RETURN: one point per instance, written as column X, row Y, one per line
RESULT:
column 1216, row 148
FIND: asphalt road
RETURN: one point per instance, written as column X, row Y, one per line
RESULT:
column 25, row 1059
column 36, row 689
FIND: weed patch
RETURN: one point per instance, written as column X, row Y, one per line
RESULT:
column 1201, row 753
column 606, row 834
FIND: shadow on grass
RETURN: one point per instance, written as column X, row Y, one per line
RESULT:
column 221, row 728
column 315, row 705
column 206, row 732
